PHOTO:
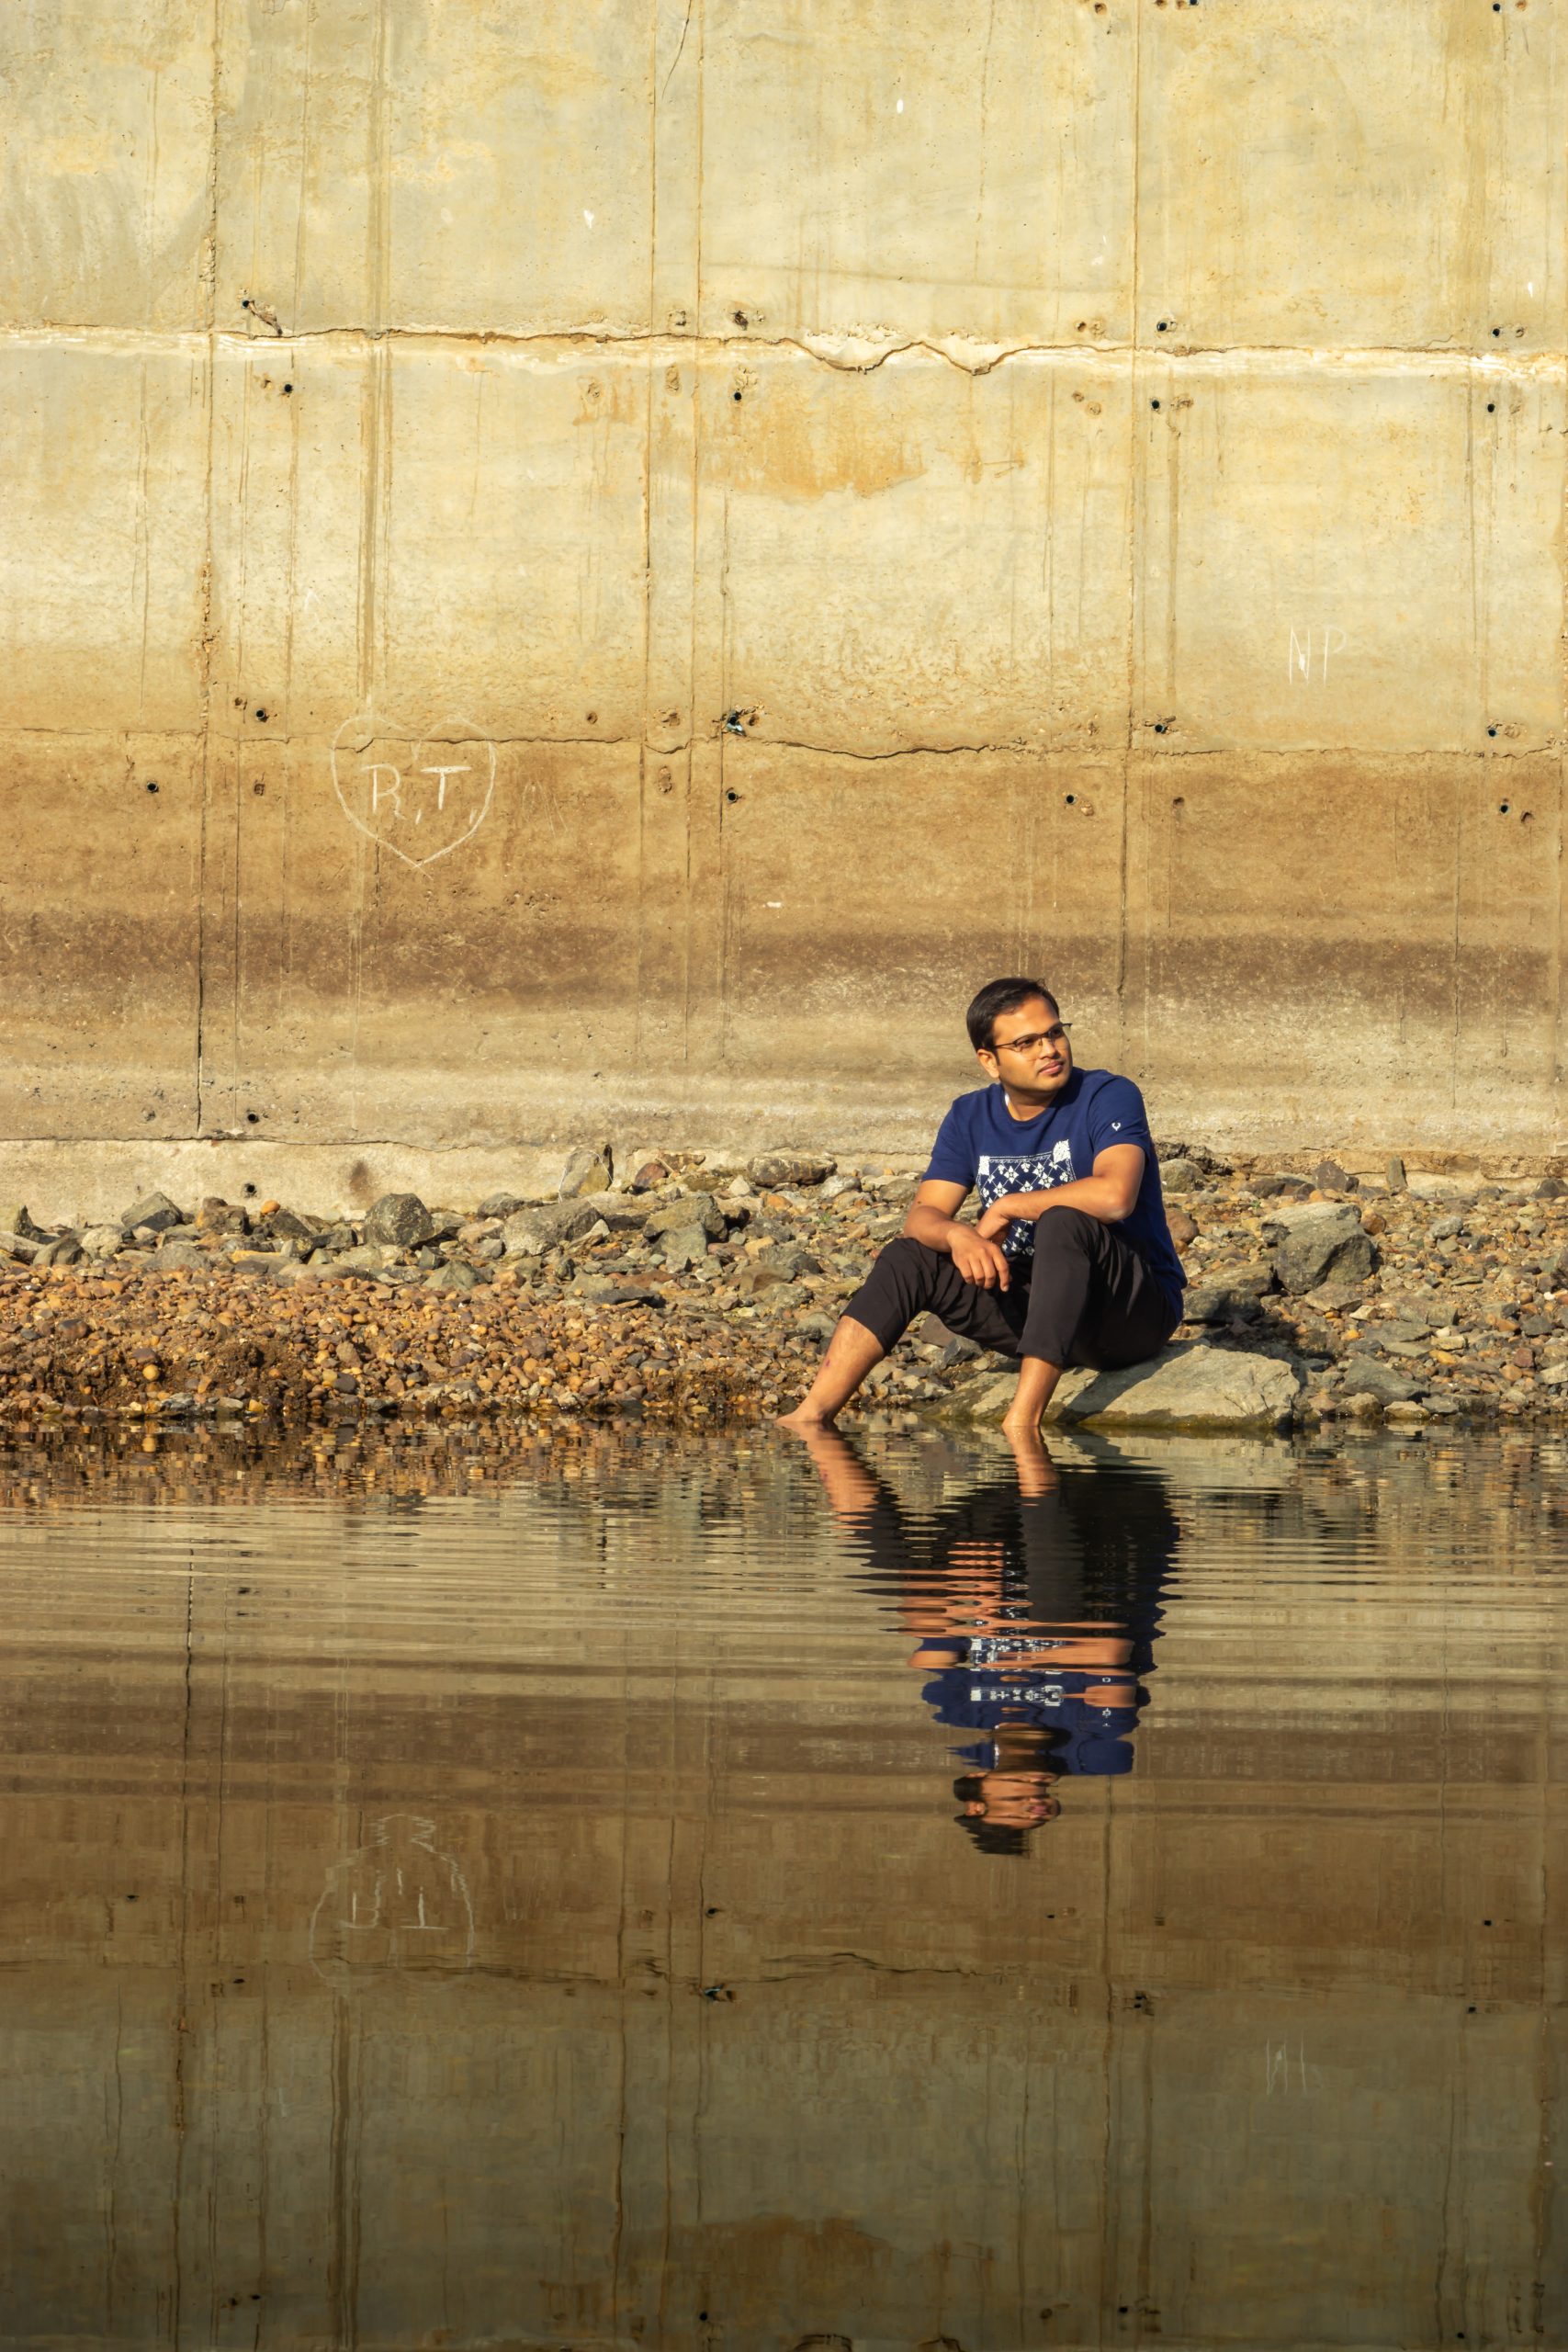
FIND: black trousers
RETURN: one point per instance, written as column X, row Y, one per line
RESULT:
column 1088, row 1298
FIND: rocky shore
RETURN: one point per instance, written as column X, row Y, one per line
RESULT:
column 700, row 1288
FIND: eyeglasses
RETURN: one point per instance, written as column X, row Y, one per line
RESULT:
column 1056, row 1036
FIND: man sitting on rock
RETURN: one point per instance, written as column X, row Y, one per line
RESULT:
column 1070, row 1261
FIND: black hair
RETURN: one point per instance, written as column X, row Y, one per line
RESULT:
column 997, row 997
column 990, row 1837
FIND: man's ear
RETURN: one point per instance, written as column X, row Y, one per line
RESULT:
column 987, row 1061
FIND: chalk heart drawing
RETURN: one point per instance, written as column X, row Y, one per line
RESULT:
column 398, row 1907
column 419, row 796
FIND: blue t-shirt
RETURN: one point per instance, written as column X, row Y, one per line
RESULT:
column 1088, row 1739
column 982, row 1147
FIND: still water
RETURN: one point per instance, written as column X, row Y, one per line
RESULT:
column 615, row 1890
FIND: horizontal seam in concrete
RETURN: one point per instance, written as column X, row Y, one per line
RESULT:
column 1370, row 358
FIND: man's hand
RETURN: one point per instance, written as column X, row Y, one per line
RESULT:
column 993, row 1223
column 933, row 1219
column 978, row 1257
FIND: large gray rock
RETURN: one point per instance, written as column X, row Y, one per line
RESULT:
column 63, row 1249
column 1221, row 1302
column 531, row 1233
column 1189, row 1386
column 772, row 1168
column 698, row 1209
column 1318, row 1242
column 453, row 1276
column 400, row 1221
column 15, row 1218
column 586, row 1169
column 180, row 1257
column 1364, row 1376
column 621, row 1211
column 1180, row 1175
column 501, row 1204
column 686, row 1246
column 288, row 1224
column 102, row 1241
column 154, row 1210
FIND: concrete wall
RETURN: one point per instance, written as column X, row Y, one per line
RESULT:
column 867, row 493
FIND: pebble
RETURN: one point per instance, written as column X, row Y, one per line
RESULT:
column 706, row 1297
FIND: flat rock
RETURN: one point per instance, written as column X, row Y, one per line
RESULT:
column 1220, row 1303
column 1364, row 1376
column 533, row 1232
column 600, row 1290
column 772, row 1168
column 1187, row 1385
column 984, row 1399
column 697, row 1210
column 453, row 1276
column 156, row 1212
column 1334, row 1295
column 180, row 1257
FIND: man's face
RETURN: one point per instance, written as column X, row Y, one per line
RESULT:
column 1015, row 1800
column 1031, row 1053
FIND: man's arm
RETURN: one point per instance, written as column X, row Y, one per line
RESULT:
column 1109, row 1194
column 933, row 1219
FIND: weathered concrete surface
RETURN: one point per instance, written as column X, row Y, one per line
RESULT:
column 864, row 493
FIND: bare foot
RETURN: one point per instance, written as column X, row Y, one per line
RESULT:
column 802, row 1420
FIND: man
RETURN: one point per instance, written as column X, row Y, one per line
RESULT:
column 1070, row 1261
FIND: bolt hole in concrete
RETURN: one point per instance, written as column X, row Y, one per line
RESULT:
column 868, row 1778
column 151, row 785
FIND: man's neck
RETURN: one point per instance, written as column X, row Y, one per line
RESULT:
column 1022, row 1108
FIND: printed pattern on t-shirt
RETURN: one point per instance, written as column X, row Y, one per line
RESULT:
column 1039, row 1171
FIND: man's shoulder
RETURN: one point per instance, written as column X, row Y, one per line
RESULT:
column 1097, row 1082
column 964, row 1109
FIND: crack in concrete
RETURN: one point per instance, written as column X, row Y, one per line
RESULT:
column 861, row 357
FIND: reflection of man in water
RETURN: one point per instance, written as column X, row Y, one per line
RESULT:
column 1036, row 1604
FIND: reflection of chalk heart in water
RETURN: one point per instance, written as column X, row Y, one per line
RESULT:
column 419, row 796
column 398, row 1907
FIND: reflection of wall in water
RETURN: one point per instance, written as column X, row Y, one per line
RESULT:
column 769, row 2044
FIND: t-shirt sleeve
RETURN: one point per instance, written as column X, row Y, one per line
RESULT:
column 1117, row 1116
column 953, row 1154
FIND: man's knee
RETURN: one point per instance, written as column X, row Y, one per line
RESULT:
column 909, row 1260
column 1059, row 1232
